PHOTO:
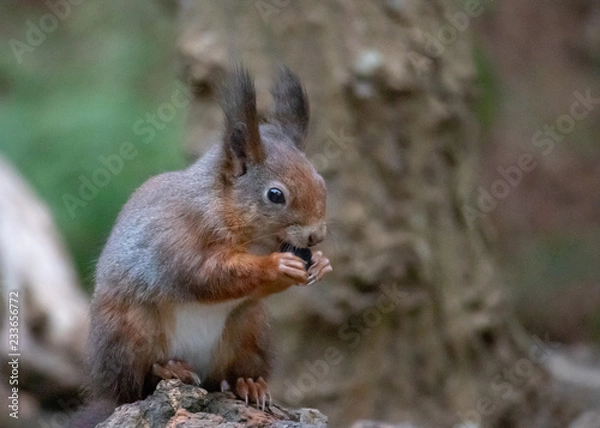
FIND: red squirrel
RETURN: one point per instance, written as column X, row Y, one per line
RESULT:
column 180, row 282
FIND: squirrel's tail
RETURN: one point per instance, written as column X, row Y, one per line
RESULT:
column 95, row 412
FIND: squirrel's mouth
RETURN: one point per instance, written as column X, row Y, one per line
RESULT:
column 304, row 253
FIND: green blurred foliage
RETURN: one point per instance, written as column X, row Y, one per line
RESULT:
column 489, row 90
column 553, row 278
column 559, row 259
column 76, row 98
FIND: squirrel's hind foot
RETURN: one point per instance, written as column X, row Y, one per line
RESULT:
column 176, row 369
column 253, row 390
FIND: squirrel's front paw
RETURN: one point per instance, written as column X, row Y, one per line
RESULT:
column 284, row 270
column 292, row 268
column 320, row 266
column 256, row 391
column 176, row 369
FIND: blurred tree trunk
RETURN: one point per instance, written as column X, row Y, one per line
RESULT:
column 43, row 310
column 411, row 325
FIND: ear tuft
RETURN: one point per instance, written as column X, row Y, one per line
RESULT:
column 241, row 140
column 290, row 107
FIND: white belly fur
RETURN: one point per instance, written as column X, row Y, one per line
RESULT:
column 198, row 329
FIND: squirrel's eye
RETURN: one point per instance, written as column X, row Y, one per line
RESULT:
column 276, row 196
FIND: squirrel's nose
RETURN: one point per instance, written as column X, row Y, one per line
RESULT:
column 315, row 237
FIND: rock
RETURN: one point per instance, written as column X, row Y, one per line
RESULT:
column 175, row 404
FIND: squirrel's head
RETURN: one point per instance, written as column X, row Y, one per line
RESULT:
column 263, row 167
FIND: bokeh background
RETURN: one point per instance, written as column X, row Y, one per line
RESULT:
column 538, row 55
column 78, row 95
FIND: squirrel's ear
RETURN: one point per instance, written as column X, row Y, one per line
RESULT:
column 241, row 140
column 290, row 107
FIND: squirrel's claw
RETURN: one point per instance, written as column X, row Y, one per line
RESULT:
column 319, row 268
column 196, row 378
column 255, row 390
column 263, row 389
